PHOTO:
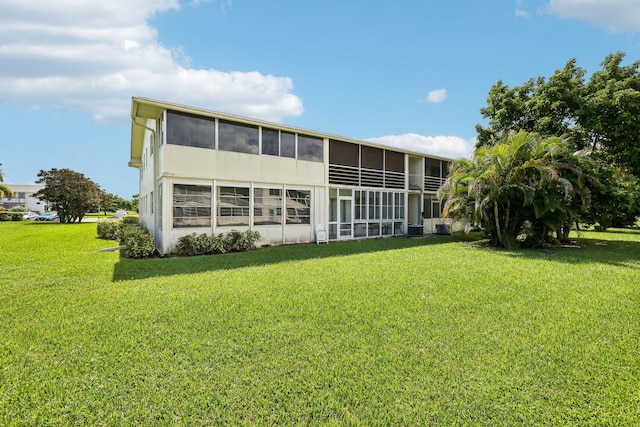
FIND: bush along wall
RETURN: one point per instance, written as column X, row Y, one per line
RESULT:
column 205, row 244
column 137, row 241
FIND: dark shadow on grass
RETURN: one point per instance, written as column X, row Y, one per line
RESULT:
column 621, row 253
column 132, row 269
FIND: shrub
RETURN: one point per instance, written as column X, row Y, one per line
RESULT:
column 194, row 244
column 11, row 216
column 219, row 244
column 130, row 220
column 19, row 209
column 242, row 241
column 110, row 229
column 138, row 243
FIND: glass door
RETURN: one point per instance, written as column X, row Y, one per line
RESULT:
column 345, row 214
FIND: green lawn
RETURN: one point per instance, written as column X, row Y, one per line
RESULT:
column 434, row 331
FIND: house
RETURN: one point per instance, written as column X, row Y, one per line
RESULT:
column 23, row 197
column 208, row 172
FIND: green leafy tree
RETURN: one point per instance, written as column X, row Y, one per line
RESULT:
column 600, row 115
column 5, row 190
column 610, row 110
column 548, row 107
column 523, row 183
column 69, row 193
column 615, row 198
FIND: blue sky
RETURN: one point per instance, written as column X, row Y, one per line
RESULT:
column 408, row 73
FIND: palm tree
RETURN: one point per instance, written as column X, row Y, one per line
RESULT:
column 4, row 189
column 521, row 180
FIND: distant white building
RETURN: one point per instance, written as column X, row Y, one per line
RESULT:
column 23, row 197
column 208, row 172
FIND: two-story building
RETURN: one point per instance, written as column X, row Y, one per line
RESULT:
column 23, row 197
column 208, row 172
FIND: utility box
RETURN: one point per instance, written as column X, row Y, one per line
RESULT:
column 443, row 229
column 416, row 230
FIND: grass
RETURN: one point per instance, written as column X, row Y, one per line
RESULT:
column 434, row 331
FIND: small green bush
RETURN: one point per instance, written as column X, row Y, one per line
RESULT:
column 130, row 220
column 194, row 244
column 110, row 229
column 19, row 209
column 138, row 243
column 203, row 244
column 219, row 244
column 11, row 216
column 242, row 241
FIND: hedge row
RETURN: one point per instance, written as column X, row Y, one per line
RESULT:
column 111, row 229
column 205, row 244
column 11, row 216
column 137, row 241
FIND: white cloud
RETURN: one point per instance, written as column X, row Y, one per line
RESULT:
column 521, row 13
column 96, row 55
column 452, row 147
column 436, row 96
column 615, row 15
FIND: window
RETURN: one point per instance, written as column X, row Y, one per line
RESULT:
column 344, row 153
column 191, row 205
column 432, row 167
column 270, row 142
column 333, row 205
column 310, row 148
column 431, row 207
column 360, row 202
column 288, row 144
column 398, row 206
column 267, row 206
column 374, row 205
column 237, row 137
column 298, row 207
column 393, row 161
column 233, row 206
column 387, row 205
column 191, row 131
column 371, row 157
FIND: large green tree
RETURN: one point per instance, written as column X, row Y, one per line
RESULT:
column 69, row 193
column 601, row 114
column 5, row 190
column 522, row 184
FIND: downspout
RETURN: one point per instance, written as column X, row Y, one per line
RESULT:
column 133, row 120
column 155, row 216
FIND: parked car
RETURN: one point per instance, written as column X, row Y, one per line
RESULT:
column 29, row 215
column 47, row 216
column 120, row 213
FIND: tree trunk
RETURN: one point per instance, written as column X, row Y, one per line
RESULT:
column 562, row 233
column 497, row 221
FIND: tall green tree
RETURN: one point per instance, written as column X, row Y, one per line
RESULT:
column 609, row 115
column 5, row 190
column 615, row 198
column 522, row 184
column 601, row 114
column 69, row 193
